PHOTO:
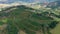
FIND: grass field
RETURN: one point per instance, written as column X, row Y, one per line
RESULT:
column 56, row 30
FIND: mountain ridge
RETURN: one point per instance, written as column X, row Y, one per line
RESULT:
column 54, row 4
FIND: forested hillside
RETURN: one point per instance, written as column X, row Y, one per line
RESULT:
column 29, row 20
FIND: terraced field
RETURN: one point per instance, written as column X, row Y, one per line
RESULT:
column 22, row 20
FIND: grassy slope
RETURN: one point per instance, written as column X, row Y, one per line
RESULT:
column 23, row 17
column 56, row 30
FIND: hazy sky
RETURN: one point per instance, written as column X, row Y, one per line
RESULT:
column 26, row 0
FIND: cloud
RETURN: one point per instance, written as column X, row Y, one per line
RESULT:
column 3, row 0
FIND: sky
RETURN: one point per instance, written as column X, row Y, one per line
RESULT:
column 29, row 1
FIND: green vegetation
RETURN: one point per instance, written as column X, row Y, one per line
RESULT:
column 43, row 20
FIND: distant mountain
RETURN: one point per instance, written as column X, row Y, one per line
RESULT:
column 5, row 5
column 54, row 4
column 32, row 4
column 28, row 1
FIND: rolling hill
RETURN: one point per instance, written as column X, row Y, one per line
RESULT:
column 23, row 18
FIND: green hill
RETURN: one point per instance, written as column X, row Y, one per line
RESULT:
column 31, row 22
